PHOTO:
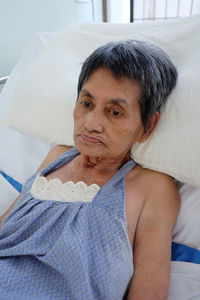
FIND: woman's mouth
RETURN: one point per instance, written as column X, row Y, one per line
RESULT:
column 89, row 139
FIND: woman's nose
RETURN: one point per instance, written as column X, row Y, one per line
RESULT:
column 94, row 122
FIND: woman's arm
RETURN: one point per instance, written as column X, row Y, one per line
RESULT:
column 152, row 245
column 51, row 156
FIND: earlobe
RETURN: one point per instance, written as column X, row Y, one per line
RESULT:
column 152, row 124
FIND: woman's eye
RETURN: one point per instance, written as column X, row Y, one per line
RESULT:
column 115, row 113
column 86, row 104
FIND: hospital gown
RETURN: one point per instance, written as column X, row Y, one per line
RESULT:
column 67, row 250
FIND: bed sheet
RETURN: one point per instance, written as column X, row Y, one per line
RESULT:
column 184, row 281
column 20, row 157
column 186, row 230
column 20, row 154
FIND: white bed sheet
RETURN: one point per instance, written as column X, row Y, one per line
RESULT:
column 186, row 230
column 20, row 154
column 184, row 281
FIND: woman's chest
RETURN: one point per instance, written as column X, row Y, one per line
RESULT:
column 132, row 206
column 88, row 176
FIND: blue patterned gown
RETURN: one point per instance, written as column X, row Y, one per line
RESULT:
column 67, row 250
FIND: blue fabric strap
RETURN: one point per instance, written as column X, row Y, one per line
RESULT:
column 14, row 183
column 185, row 253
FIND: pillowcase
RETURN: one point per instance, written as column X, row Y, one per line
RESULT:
column 23, row 160
column 43, row 105
column 186, row 230
column 29, row 55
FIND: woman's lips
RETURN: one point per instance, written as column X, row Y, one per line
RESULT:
column 89, row 138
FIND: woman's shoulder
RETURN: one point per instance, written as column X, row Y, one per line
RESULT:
column 150, row 183
column 147, row 176
column 154, row 192
column 54, row 153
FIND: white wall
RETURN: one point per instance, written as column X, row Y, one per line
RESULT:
column 20, row 19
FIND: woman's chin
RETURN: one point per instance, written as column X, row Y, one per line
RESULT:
column 90, row 149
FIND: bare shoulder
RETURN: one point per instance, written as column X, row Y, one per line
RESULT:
column 155, row 188
column 159, row 199
column 150, row 180
column 58, row 150
column 53, row 154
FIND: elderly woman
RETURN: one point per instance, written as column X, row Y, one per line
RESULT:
column 92, row 224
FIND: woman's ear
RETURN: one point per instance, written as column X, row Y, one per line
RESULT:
column 151, row 125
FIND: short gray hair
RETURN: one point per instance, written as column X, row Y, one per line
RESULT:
column 136, row 60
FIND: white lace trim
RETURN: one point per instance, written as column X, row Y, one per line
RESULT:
column 69, row 191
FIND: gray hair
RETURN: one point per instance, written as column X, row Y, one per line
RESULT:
column 140, row 61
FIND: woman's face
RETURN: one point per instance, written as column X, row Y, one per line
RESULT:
column 107, row 117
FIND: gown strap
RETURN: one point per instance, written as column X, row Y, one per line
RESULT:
column 115, row 201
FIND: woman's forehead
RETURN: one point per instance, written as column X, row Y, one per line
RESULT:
column 103, row 82
column 118, row 100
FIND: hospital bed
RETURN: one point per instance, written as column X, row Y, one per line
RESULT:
column 25, row 144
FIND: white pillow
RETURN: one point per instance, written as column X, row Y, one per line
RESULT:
column 187, row 226
column 29, row 56
column 21, row 154
column 43, row 106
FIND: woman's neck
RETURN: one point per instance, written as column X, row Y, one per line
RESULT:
column 100, row 163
